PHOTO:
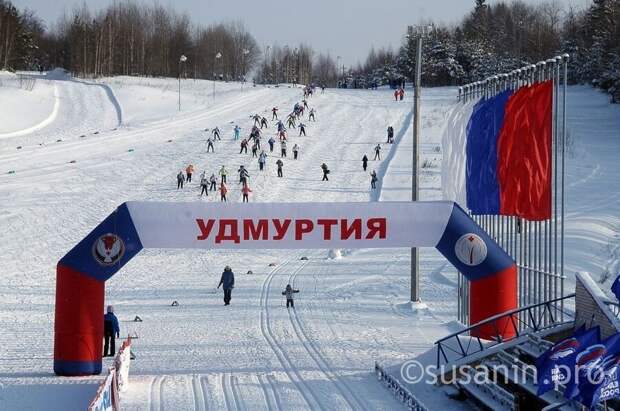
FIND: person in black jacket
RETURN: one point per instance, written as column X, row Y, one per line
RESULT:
column 364, row 162
column 325, row 172
column 390, row 135
column 373, row 179
column 110, row 329
column 289, row 292
column 228, row 281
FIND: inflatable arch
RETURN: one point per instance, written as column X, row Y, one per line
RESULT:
column 82, row 272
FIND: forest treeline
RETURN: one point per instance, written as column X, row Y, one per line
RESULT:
column 133, row 38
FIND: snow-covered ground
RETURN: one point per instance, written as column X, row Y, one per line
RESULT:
column 253, row 354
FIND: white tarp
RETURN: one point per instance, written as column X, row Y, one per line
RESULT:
column 290, row 225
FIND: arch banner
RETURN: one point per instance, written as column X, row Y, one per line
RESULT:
column 82, row 272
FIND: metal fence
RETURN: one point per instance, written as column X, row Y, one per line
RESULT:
column 22, row 81
column 536, row 246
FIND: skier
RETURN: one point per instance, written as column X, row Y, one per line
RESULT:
column 262, row 159
column 283, row 149
column 243, row 175
column 263, row 122
column 180, row 179
column 290, row 121
column 228, row 281
column 364, row 162
column 288, row 292
column 311, row 115
column 223, row 191
column 110, row 329
column 189, row 171
column 280, row 126
column 210, row 145
column 271, row 142
column 295, row 151
column 373, row 179
column 274, row 113
column 237, row 130
column 256, row 119
column 204, row 185
column 390, row 135
column 305, row 103
column 244, row 146
column 377, row 152
column 216, row 133
column 302, row 129
column 325, row 172
column 245, row 191
column 213, row 181
column 280, row 164
column 396, row 95
column 401, row 93
column 223, row 172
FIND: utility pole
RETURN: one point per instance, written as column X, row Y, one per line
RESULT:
column 415, row 180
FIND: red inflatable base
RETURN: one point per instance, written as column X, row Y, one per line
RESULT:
column 78, row 328
column 490, row 296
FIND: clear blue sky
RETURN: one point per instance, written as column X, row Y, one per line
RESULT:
column 346, row 28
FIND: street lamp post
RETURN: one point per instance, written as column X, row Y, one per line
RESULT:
column 217, row 57
column 245, row 53
column 266, row 64
column 419, row 34
column 182, row 60
column 296, row 69
column 338, row 58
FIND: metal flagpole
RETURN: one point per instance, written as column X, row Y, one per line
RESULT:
column 565, row 58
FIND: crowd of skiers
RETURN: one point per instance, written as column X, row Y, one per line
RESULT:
column 260, row 126
column 217, row 182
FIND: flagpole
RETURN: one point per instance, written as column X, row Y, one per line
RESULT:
column 565, row 58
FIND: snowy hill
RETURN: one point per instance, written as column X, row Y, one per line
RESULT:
column 124, row 139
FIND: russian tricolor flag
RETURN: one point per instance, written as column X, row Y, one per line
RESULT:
column 505, row 152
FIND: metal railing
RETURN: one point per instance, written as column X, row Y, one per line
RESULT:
column 530, row 319
column 400, row 392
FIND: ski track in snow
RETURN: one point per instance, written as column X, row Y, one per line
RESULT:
column 294, row 375
column 200, row 401
column 156, row 396
column 314, row 352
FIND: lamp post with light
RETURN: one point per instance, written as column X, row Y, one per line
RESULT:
column 245, row 53
column 418, row 33
column 217, row 57
column 182, row 60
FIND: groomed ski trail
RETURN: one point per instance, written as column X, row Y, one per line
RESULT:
column 294, row 375
column 314, row 352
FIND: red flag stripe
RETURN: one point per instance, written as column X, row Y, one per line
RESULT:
column 524, row 153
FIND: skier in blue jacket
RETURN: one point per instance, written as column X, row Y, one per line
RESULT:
column 110, row 330
column 228, row 281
